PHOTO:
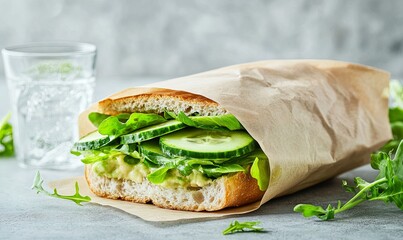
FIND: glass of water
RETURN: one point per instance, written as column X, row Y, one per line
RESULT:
column 49, row 83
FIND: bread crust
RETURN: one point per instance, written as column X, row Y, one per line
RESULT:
column 241, row 189
column 133, row 100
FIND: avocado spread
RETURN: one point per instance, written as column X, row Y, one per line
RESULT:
column 117, row 168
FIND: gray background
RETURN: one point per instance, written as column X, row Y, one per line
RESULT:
column 173, row 38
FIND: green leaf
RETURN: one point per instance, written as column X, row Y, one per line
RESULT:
column 360, row 183
column 186, row 166
column 102, row 154
column 387, row 187
column 227, row 121
column 131, row 160
column 348, row 188
column 6, row 137
column 309, row 210
column 77, row 198
column 107, row 152
column 378, row 160
column 158, row 176
column 329, row 212
column 395, row 114
column 261, row 172
column 236, row 226
column 169, row 115
column 96, row 118
column 397, row 130
column 392, row 171
column 396, row 123
column 390, row 146
column 220, row 170
column 112, row 126
column 129, row 149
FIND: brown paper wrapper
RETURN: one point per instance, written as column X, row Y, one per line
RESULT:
column 314, row 119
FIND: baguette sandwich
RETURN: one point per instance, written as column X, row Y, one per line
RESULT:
column 174, row 149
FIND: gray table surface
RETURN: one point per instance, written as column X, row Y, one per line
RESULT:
column 26, row 215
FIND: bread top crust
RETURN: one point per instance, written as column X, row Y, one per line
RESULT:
column 158, row 100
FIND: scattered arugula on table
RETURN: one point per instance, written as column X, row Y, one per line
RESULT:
column 236, row 227
column 6, row 137
column 77, row 198
column 387, row 187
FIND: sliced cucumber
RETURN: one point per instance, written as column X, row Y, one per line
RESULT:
column 93, row 140
column 151, row 132
column 212, row 144
column 150, row 149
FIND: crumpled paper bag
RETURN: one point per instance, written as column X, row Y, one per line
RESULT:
column 314, row 119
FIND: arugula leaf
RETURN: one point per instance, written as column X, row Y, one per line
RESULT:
column 96, row 118
column 309, row 210
column 77, row 198
column 112, row 126
column 6, row 137
column 185, row 166
column 223, row 169
column 169, row 115
column 396, row 114
column 131, row 160
column 106, row 152
column 260, row 172
column 227, row 121
column 236, row 226
column 387, row 187
column 347, row 187
column 158, row 176
column 102, row 154
column 129, row 149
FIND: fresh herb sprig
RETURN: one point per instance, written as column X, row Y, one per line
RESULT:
column 236, row 226
column 6, row 137
column 387, row 187
column 77, row 198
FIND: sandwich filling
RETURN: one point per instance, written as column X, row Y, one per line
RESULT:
column 171, row 150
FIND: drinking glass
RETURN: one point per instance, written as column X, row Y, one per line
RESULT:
column 49, row 83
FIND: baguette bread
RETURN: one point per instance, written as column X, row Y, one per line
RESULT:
column 227, row 191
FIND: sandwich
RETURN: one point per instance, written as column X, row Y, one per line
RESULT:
column 174, row 149
column 228, row 137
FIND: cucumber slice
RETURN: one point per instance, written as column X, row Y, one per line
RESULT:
column 212, row 144
column 150, row 149
column 93, row 140
column 151, row 132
